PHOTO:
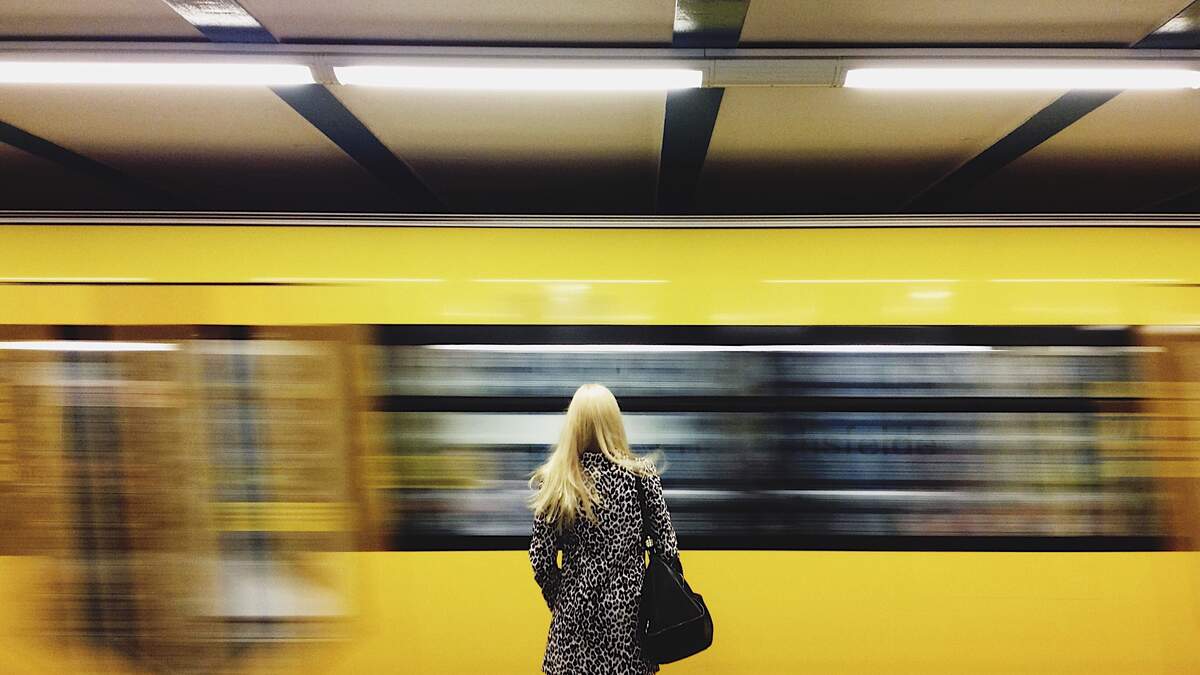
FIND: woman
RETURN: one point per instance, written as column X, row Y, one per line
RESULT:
column 587, row 507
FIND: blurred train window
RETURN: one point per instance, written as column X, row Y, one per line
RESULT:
column 789, row 438
column 185, row 486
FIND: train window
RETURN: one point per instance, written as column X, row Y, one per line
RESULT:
column 970, row 438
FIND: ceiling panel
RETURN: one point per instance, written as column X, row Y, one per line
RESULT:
column 533, row 152
column 494, row 21
column 232, row 148
column 1117, row 22
column 814, row 150
column 145, row 19
column 1137, row 149
column 30, row 182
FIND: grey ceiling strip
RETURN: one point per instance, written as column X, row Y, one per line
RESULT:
column 1062, row 113
column 145, row 194
column 691, row 114
column 222, row 20
column 1048, row 121
column 324, row 111
column 227, row 21
column 709, row 24
column 1181, row 32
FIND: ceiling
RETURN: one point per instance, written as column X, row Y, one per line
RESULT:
column 773, row 150
column 999, row 22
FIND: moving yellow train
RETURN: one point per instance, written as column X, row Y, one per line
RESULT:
column 251, row 444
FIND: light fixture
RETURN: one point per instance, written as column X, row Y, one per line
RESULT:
column 503, row 78
column 570, row 281
column 87, row 346
column 158, row 73
column 1022, row 78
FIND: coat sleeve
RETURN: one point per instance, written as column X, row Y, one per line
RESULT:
column 661, row 530
column 543, row 555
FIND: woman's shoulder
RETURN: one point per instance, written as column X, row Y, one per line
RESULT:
column 638, row 468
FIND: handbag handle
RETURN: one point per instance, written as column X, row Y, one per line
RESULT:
column 647, row 536
column 647, row 539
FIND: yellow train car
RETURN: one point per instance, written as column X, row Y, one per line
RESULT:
column 1047, row 369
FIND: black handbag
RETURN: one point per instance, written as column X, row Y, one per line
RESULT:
column 674, row 622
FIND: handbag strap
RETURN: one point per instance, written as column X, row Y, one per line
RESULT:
column 647, row 540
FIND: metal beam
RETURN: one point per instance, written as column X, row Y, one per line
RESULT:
column 324, row 111
column 1187, row 201
column 145, row 193
column 708, row 23
column 690, row 118
column 228, row 21
column 691, row 115
column 221, row 20
column 1181, row 32
column 1048, row 121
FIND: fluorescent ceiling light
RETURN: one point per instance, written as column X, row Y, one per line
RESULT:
column 91, row 72
column 88, row 346
column 570, row 281
column 499, row 78
column 1023, row 78
column 658, row 349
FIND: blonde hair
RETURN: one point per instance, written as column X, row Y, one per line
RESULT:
column 593, row 423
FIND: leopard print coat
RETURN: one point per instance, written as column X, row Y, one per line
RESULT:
column 594, row 596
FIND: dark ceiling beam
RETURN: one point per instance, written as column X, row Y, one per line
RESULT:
column 1062, row 113
column 144, row 194
column 228, row 21
column 708, row 24
column 222, row 20
column 324, row 111
column 691, row 114
column 1180, row 32
column 1187, row 201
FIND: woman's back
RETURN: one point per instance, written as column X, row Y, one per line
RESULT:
column 595, row 595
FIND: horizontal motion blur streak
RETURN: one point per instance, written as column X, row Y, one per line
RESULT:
column 806, row 349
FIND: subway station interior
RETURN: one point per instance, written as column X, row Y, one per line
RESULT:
column 903, row 295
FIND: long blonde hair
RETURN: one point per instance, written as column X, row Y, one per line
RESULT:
column 593, row 423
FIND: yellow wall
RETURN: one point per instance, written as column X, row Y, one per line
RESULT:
column 460, row 275
column 775, row 612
